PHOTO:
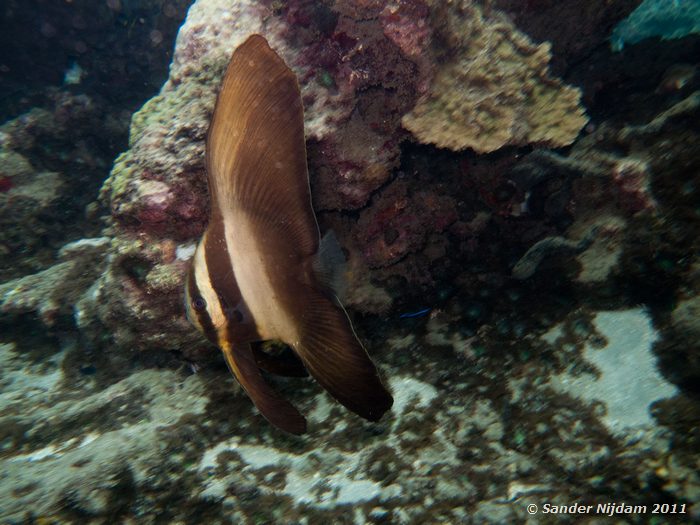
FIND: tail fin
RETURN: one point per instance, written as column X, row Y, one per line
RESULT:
column 334, row 356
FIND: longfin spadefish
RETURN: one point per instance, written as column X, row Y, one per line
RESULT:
column 266, row 229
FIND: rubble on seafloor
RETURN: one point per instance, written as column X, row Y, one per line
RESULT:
column 499, row 294
column 56, row 290
column 169, row 444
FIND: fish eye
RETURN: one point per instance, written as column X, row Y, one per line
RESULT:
column 236, row 315
column 198, row 303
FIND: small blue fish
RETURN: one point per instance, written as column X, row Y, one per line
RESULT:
column 419, row 313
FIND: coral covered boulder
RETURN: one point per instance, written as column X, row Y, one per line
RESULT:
column 51, row 164
column 358, row 71
column 355, row 81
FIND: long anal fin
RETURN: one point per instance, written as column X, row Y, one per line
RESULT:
column 334, row 356
column 274, row 408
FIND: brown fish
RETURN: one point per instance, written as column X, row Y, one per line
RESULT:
column 253, row 275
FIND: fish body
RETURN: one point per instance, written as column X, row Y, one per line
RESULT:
column 253, row 274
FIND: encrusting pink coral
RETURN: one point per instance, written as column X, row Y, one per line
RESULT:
column 399, row 221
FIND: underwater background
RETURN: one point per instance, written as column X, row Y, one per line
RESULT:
column 516, row 188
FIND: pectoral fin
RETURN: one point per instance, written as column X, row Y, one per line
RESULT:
column 284, row 363
column 274, row 408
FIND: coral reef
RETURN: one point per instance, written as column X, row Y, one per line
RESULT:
column 481, row 364
column 54, row 291
column 494, row 89
column 399, row 221
column 27, row 198
column 355, row 83
column 575, row 28
column 365, row 71
column 355, row 95
column 69, row 79
column 51, row 162
column 608, row 174
column 527, row 265
column 139, row 297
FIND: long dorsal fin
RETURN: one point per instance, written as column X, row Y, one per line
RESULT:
column 256, row 154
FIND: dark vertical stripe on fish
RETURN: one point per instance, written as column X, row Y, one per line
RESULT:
column 201, row 313
column 240, row 325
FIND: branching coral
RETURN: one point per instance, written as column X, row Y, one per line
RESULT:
column 494, row 89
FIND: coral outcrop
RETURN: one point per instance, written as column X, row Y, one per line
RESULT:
column 609, row 175
column 139, row 296
column 399, row 222
column 51, row 165
column 27, row 197
column 481, row 353
column 56, row 290
column 356, row 82
column 69, row 80
column 493, row 88
column 362, row 67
